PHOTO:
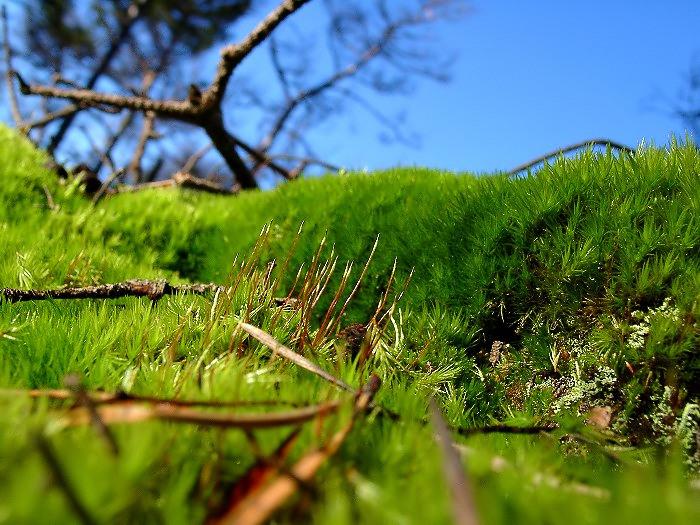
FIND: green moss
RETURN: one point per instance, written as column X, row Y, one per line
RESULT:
column 585, row 277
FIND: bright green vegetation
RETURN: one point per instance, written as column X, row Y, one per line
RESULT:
column 586, row 276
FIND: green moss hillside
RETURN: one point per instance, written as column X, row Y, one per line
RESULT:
column 538, row 302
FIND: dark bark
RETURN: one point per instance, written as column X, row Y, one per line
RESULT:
column 154, row 290
column 225, row 144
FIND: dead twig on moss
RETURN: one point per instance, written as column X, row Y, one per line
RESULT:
column 165, row 411
column 507, row 429
column 153, row 289
column 261, row 504
column 100, row 398
column 72, row 381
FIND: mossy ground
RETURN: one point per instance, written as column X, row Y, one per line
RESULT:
column 532, row 301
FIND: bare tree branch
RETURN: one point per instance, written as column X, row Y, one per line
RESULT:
column 147, row 133
column 177, row 109
column 194, row 158
column 48, row 118
column 262, row 159
column 381, row 33
column 14, row 106
column 234, row 54
column 567, row 149
column 314, row 91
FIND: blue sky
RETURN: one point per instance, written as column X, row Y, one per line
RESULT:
column 534, row 76
column 529, row 77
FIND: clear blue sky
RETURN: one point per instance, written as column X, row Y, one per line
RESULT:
column 534, row 76
column 529, row 77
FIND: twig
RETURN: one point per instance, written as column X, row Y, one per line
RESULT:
column 154, row 290
column 62, row 480
column 147, row 134
column 257, row 475
column 262, row 158
column 567, row 149
column 463, row 504
column 105, row 185
column 194, row 158
column 121, row 397
column 136, row 413
column 48, row 118
column 234, row 54
column 291, row 355
column 14, row 105
column 185, row 180
column 261, row 504
column 307, row 161
column 507, row 429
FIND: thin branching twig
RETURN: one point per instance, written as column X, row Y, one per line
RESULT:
column 567, row 149
column 261, row 504
column 164, row 411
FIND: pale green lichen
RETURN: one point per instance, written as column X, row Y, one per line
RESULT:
column 597, row 390
column 637, row 337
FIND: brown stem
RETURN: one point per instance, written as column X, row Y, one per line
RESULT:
column 567, row 149
column 146, row 135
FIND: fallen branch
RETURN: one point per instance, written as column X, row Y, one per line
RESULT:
column 567, row 149
column 137, row 413
column 185, row 180
column 154, row 290
column 121, row 397
column 260, row 473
